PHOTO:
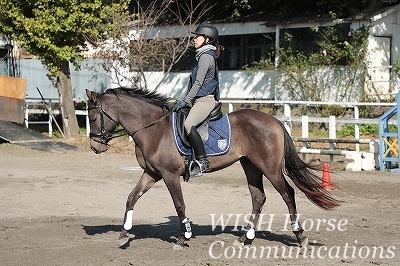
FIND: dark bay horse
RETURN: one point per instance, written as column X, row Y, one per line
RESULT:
column 259, row 141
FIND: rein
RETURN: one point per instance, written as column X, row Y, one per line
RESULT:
column 106, row 137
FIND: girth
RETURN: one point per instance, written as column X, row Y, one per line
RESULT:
column 181, row 115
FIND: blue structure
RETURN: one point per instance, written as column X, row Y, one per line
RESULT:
column 7, row 66
column 389, row 141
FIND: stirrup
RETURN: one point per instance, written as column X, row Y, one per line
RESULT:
column 197, row 168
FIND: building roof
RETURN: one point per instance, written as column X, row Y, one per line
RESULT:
column 271, row 19
column 364, row 15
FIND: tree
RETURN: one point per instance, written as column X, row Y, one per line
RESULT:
column 145, row 46
column 57, row 32
column 338, row 65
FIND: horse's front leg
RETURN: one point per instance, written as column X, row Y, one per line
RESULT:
column 174, row 187
column 145, row 183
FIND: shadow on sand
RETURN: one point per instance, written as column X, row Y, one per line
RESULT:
column 167, row 231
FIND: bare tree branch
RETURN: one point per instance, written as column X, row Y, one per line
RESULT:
column 151, row 40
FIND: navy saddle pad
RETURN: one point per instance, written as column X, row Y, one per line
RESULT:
column 218, row 142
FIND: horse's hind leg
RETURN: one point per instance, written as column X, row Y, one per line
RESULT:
column 144, row 184
column 258, row 198
column 287, row 192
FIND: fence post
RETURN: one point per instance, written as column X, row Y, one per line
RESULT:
column 356, row 126
column 332, row 133
column 230, row 107
column 87, row 121
column 287, row 114
column 27, row 115
column 304, row 133
column 50, row 120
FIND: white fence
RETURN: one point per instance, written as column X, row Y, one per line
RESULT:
column 287, row 118
column 31, row 109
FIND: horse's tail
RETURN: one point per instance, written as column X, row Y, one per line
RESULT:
column 303, row 176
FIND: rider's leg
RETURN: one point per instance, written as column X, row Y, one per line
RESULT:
column 200, row 110
column 197, row 144
column 198, row 113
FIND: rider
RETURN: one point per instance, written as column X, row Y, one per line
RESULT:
column 202, row 93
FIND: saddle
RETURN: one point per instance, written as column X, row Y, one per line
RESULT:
column 215, row 114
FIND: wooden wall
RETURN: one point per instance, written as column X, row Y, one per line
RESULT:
column 12, row 99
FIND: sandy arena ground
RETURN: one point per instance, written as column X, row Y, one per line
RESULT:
column 66, row 208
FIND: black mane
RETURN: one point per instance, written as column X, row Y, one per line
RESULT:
column 152, row 97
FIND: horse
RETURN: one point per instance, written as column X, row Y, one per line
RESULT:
column 259, row 142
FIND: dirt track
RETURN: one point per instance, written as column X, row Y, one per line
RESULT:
column 67, row 209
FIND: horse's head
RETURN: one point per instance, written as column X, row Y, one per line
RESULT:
column 102, row 122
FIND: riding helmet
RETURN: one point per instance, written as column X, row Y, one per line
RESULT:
column 207, row 30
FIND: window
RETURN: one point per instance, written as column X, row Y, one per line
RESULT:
column 239, row 50
column 231, row 57
column 186, row 62
column 306, row 40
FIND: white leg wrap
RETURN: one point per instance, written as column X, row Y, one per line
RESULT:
column 251, row 234
column 188, row 235
column 188, row 228
column 295, row 227
column 128, row 220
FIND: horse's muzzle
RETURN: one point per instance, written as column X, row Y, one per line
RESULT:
column 95, row 151
column 98, row 147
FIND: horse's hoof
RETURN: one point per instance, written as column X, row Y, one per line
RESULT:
column 304, row 244
column 180, row 243
column 124, row 240
column 237, row 243
column 177, row 247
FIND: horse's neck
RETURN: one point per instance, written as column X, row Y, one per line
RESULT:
column 139, row 116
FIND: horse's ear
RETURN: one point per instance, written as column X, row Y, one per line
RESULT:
column 91, row 95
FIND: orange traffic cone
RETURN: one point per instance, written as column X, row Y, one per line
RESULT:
column 326, row 177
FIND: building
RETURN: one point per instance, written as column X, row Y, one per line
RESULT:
column 250, row 39
column 247, row 40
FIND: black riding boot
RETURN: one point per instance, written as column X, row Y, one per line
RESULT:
column 202, row 165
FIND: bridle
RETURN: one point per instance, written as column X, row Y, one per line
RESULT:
column 103, row 137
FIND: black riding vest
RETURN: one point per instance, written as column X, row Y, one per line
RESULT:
column 210, row 88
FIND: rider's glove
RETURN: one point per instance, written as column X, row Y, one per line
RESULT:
column 178, row 105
